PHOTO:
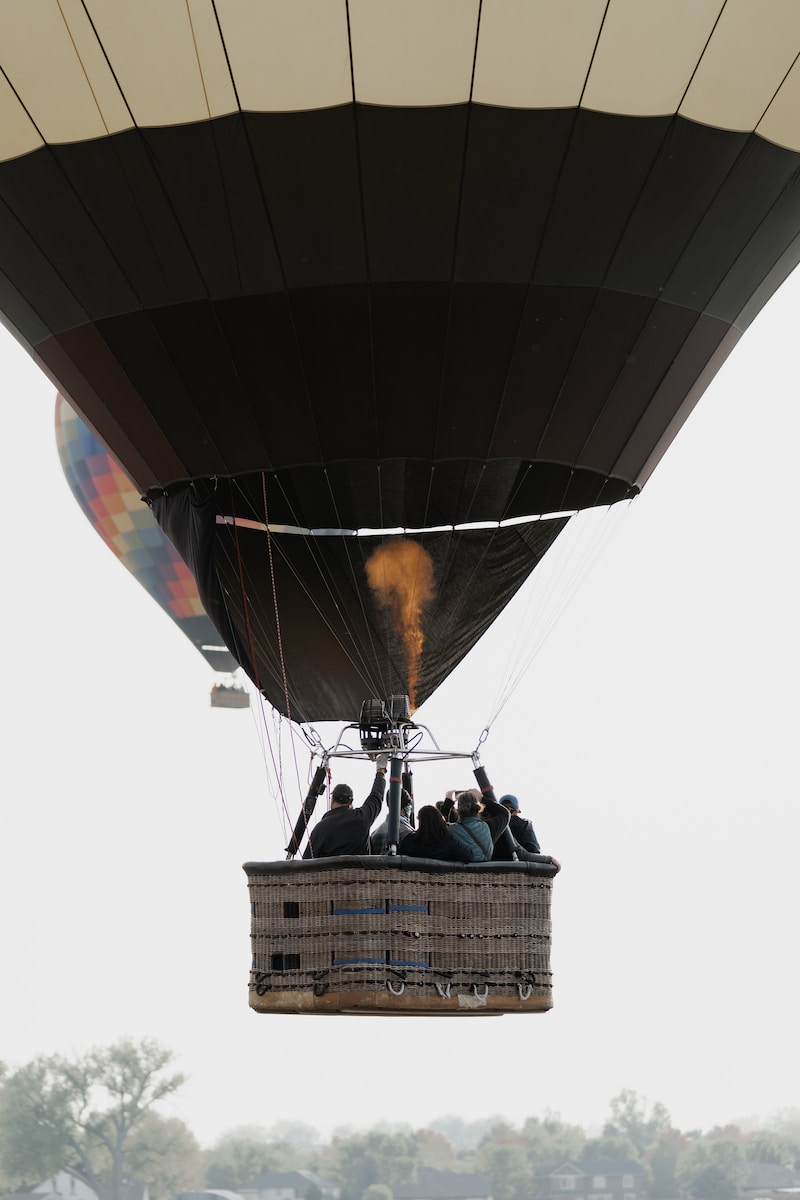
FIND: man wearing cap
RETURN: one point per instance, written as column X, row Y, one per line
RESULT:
column 344, row 829
column 521, row 829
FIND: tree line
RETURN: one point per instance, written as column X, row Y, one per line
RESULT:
column 97, row 1115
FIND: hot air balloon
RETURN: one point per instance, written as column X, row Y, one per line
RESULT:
column 369, row 297
column 328, row 268
column 113, row 506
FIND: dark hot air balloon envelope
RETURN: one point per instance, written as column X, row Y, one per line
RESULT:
column 314, row 269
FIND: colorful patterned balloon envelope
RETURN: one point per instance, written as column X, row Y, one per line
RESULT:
column 117, row 513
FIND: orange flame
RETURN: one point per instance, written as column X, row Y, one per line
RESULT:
column 400, row 574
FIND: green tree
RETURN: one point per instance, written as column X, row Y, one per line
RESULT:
column 630, row 1120
column 32, row 1133
column 295, row 1133
column 434, row 1150
column 610, row 1145
column 463, row 1135
column 166, row 1153
column 367, row 1158
column 712, row 1183
column 662, row 1162
column 81, row 1114
column 378, row 1191
column 508, row 1168
column 551, row 1140
column 766, row 1147
column 235, row 1161
column 713, row 1167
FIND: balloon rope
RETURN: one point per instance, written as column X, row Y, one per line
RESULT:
column 243, row 593
column 275, row 599
column 276, row 766
column 550, row 591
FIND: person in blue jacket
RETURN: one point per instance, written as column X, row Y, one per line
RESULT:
column 480, row 823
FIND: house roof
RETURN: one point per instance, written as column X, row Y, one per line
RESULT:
column 280, row 1180
column 444, row 1185
column 768, row 1176
column 207, row 1194
column 598, row 1166
column 135, row 1191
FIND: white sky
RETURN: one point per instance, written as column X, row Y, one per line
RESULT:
column 654, row 743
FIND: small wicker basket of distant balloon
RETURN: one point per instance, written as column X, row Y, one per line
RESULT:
column 400, row 936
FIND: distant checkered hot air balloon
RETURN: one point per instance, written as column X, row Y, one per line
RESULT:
column 115, row 509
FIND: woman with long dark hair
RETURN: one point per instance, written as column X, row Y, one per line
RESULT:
column 433, row 838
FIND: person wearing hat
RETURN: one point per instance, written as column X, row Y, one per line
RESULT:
column 521, row 829
column 344, row 829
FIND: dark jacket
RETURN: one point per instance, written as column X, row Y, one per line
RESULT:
column 496, row 817
column 344, row 829
column 379, row 838
column 450, row 850
column 523, row 843
column 523, row 832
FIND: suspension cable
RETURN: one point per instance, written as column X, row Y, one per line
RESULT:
column 549, row 597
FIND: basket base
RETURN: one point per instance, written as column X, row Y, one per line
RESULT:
column 387, row 1003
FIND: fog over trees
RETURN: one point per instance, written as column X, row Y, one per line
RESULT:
column 98, row 1116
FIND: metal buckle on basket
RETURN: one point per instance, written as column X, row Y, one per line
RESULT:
column 526, row 985
column 320, row 983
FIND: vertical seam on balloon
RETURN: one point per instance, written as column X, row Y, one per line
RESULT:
column 700, row 57
column 278, row 256
column 365, row 243
column 699, row 313
column 454, row 256
column 774, row 96
column 575, row 116
column 454, row 537
column 452, row 549
column 593, row 54
column 534, row 264
column 112, row 72
column 603, row 407
column 227, row 58
column 370, row 325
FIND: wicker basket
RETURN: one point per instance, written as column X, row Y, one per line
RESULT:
column 400, row 935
